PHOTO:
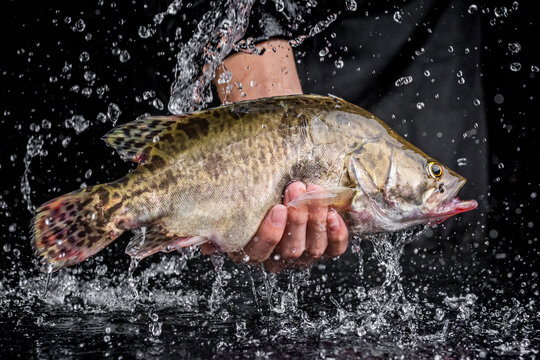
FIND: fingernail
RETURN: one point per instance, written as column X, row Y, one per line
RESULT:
column 278, row 216
column 293, row 191
column 333, row 222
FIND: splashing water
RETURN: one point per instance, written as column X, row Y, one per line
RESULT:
column 220, row 29
column 183, row 301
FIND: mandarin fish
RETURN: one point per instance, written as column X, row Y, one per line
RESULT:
column 212, row 175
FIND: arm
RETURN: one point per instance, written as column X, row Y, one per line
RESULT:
column 271, row 74
column 296, row 236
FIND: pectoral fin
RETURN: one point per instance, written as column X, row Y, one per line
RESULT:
column 335, row 197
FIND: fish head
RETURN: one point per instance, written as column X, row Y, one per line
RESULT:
column 399, row 186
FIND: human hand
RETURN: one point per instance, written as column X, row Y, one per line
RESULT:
column 294, row 237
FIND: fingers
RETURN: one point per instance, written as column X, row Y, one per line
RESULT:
column 293, row 243
column 294, row 236
column 316, row 239
column 267, row 237
column 338, row 235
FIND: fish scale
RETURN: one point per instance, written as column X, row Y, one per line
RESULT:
column 211, row 176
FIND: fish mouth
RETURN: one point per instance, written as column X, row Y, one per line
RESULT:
column 454, row 207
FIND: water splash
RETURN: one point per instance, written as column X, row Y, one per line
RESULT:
column 213, row 39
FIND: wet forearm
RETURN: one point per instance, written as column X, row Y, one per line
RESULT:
column 254, row 76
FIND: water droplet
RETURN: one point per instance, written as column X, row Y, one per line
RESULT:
column 66, row 142
column 158, row 104
column 427, row 73
column 450, row 49
column 89, row 75
column 113, row 112
column 476, row 102
column 515, row 5
column 101, row 117
column 79, row 26
column 155, row 328
column 86, row 91
column 149, row 94
column 351, row 5
column 397, row 17
column 338, row 63
column 461, row 81
column 420, row 105
column 280, row 5
column 124, row 56
column 439, row 314
column 78, row 123
column 145, row 32
column 405, row 80
column 420, row 51
column 500, row 11
column 245, row 258
column 472, row 8
column 46, row 124
column 224, row 77
column 324, row 51
column 500, row 165
column 6, row 247
column 499, row 99
column 462, row 161
column 84, row 57
column 515, row 66
column 88, row 173
column 514, row 47
column 535, row 68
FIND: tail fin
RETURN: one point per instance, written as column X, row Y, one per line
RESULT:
column 73, row 227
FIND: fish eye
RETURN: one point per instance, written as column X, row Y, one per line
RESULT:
column 435, row 170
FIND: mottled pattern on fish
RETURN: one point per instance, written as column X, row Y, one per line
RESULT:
column 213, row 175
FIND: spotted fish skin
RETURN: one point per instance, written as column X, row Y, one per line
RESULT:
column 210, row 175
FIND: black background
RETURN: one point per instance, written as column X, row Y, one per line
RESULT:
column 38, row 41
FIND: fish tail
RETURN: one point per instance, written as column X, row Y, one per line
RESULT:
column 75, row 226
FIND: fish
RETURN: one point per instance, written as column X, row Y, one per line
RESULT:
column 211, row 176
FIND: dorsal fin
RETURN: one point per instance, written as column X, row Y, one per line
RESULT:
column 134, row 140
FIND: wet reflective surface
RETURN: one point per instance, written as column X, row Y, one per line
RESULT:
column 186, row 306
